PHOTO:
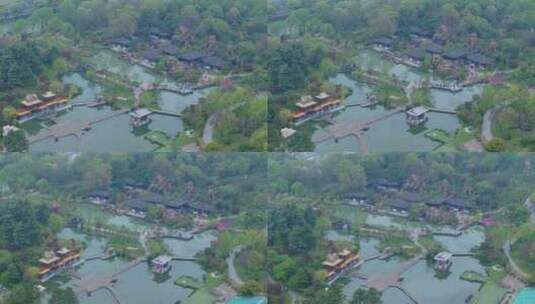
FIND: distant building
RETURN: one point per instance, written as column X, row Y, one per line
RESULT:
column 387, row 185
column 398, row 206
column 434, row 49
column 338, row 263
column 191, row 57
column 54, row 262
column 151, row 55
column 383, row 44
column 411, row 197
column 33, row 107
column 417, row 32
column 458, row 204
column 160, row 34
column 416, row 116
column 416, row 56
column 356, row 198
column 213, row 63
column 161, row 264
column 455, row 55
column 120, row 44
column 137, row 207
column 478, row 60
column 3, row 290
column 99, row 197
column 443, row 261
column 314, row 107
column 170, row 50
column 130, row 184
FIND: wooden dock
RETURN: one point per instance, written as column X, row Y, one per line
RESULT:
column 166, row 113
column 443, row 111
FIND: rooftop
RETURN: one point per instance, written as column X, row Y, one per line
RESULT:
column 415, row 53
column 398, row 204
column 161, row 260
column 306, row 102
column 140, row 113
column 151, row 54
column 31, row 100
column 417, row 111
column 383, row 41
column 49, row 94
column 434, row 48
column 170, row 49
column 191, row 56
column 99, row 193
column 411, row 196
column 322, row 96
column 213, row 61
column 455, row 54
column 137, row 204
column 478, row 59
column 443, row 256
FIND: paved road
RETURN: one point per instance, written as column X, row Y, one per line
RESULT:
column 486, row 126
column 531, row 208
column 208, row 132
column 516, row 269
column 232, row 274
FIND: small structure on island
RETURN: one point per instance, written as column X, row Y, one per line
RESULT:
column 140, row 117
column 161, row 264
column 443, row 261
column 54, row 262
column 416, row 116
column 339, row 263
column 287, row 132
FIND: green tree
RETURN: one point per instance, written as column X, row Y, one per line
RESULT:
column 366, row 296
column 16, row 141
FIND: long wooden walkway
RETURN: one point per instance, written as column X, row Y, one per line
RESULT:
column 383, row 281
column 72, row 128
column 352, row 128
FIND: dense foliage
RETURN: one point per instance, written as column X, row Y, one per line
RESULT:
column 490, row 180
column 501, row 29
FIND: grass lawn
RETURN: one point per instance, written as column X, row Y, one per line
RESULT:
column 203, row 295
column 450, row 143
column 188, row 282
column 520, row 253
column 490, row 293
column 157, row 137
column 473, row 276
column 430, row 243
column 245, row 272
column 354, row 215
